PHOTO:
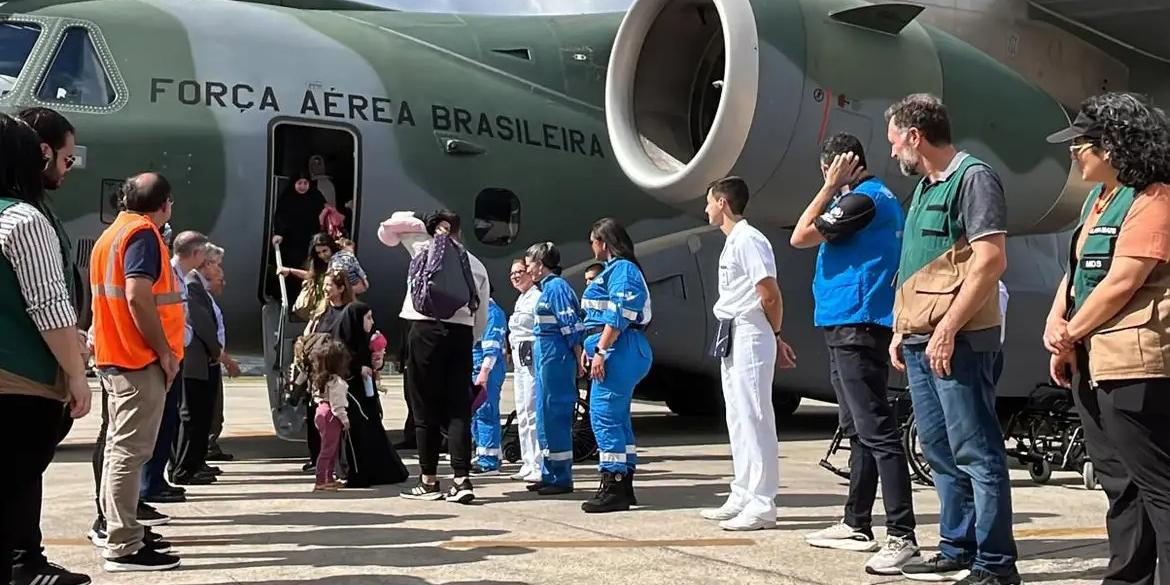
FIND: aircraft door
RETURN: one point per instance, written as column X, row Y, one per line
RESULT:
column 314, row 189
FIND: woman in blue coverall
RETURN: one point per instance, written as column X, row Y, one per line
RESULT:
column 558, row 333
column 488, row 371
column 617, row 310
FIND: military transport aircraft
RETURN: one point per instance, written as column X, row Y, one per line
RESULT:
column 531, row 127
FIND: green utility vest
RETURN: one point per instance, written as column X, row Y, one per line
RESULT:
column 936, row 259
column 934, row 223
column 24, row 352
column 1097, row 254
column 1134, row 343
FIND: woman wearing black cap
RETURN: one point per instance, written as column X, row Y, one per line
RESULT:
column 1110, row 322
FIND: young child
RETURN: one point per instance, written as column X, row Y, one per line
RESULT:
column 378, row 345
column 345, row 259
column 329, row 365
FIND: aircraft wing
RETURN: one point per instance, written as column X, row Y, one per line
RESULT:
column 1140, row 25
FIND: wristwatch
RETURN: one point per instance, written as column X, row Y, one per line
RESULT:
column 602, row 352
column 777, row 334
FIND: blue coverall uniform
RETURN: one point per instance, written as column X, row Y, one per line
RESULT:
column 485, row 425
column 558, row 330
column 618, row 297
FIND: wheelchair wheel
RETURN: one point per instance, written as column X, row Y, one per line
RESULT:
column 918, row 464
column 1089, row 475
column 1041, row 471
column 510, row 439
column 584, row 443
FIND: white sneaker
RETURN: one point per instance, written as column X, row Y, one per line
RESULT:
column 842, row 536
column 897, row 552
column 725, row 512
column 524, row 472
column 534, row 477
column 744, row 523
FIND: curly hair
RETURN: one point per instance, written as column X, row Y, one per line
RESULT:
column 1135, row 133
column 924, row 112
column 329, row 358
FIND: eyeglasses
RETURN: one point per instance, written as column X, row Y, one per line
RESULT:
column 516, row 273
column 70, row 161
column 1077, row 149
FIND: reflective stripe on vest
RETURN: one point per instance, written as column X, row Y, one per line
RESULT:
column 117, row 341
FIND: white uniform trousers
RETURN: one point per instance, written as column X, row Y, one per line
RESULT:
column 524, row 391
column 751, row 422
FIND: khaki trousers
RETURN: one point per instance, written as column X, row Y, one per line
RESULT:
column 135, row 405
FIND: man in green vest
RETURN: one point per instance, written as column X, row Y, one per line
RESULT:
column 947, row 338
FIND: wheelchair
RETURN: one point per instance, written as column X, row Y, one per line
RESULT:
column 1048, row 435
column 584, row 443
column 899, row 400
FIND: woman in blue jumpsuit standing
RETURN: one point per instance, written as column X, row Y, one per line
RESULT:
column 488, row 370
column 558, row 333
column 617, row 310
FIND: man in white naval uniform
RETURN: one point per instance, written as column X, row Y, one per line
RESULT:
column 521, row 339
column 750, row 311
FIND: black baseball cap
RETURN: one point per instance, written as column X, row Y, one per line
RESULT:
column 1083, row 126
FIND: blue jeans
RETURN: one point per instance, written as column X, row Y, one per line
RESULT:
column 962, row 440
column 154, row 472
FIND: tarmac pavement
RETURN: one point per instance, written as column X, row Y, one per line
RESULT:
column 261, row 524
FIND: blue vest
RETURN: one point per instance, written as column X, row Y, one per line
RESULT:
column 854, row 282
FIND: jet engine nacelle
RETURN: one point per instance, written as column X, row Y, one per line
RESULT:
column 700, row 89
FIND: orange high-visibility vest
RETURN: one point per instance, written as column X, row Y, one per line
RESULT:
column 117, row 341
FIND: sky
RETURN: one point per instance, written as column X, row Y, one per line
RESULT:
column 508, row 6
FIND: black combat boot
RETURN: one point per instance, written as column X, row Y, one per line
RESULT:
column 629, row 484
column 610, row 497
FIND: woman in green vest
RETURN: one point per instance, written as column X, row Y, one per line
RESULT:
column 1109, row 327
column 41, row 366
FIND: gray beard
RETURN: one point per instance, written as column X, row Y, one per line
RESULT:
column 908, row 169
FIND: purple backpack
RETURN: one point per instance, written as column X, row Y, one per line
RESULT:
column 440, row 280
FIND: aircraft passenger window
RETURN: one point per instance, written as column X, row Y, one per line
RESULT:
column 497, row 217
column 77, row 76
column 16, row 44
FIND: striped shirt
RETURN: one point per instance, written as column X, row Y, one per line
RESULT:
column 29, row 243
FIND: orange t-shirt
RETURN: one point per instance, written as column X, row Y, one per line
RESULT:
column 1145, row 233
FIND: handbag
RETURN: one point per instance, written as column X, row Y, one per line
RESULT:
column 308, row 300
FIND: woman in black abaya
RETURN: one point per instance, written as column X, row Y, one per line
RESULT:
column 372, row 460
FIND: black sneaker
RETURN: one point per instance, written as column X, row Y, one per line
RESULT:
column 143, row 560
column 937, row 569
column 423, row 491
column 148, row 516
column 982, row 577
column 210, row 470
column 165, row 497
column 220, row 456
column 157, row 544
column 461, row 493
column 310, row 467
column 47, row 574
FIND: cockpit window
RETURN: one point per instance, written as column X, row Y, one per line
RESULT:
column 77, row 76
column 16, row 43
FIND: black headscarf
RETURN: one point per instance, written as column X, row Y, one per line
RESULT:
column 347, row 328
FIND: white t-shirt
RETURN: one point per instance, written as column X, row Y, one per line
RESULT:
column 746, row 259
column 524, row 316
column 415, row 244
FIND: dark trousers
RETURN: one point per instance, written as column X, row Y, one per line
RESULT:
column 195, row 427
column 99, row 450
column 154, row 472
column 216, row 417
column 1136, row 478
column 859, row 368
column 440, row 392
column 313, row 437
column 408, row 432
column 29, row 427
column 28, row 546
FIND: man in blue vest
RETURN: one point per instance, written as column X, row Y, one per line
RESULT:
column 858, row 223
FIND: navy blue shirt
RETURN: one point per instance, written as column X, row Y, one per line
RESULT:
column 143, row 256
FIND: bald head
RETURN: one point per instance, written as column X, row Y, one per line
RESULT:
column 146, row 193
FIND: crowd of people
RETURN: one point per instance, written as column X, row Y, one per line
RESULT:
column 918, row 290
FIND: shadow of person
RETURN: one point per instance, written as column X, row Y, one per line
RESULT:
column 368, row 579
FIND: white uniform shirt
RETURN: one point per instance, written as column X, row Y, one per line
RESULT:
column 524, row 317
column 746, row 259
